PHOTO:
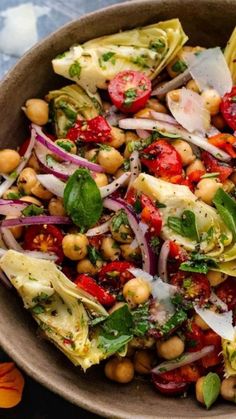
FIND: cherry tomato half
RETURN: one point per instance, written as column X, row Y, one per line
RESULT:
column 194, row 286
column 162, row 160
column 214, row 358
column 130, row 90
column 170, row 383
column 227, row 292
column 194, row 337
column 115, row 274
column 44, row 238
column 228, row 108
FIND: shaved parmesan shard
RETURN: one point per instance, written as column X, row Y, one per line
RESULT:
column 210, row 70
column 221, row 323
column 19, row 31
column 189, row 111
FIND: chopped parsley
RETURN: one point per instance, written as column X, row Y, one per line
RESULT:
column 157, row 45
column 109, row 56
column 129, row 96
column 185, row 226
column 75, row 69
column 31, row 210
column 179, row 66
column 93, row 255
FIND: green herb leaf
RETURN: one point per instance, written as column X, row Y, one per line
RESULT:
column 211, row 388
column 82, row 199
column 198, row 263
column 154, row 243
column 130, row 95
column 13, row 195
column 179, row 66
column 176, row 320
column 157, row 45
column 38, row 309
column 226, row 207
column 141, row 322
column 75, row 69
column 108, row 55
column 185, row 226
column 210, row 175
column 93, row 255
column 115, row 331
column 32, row 210
column 118, row 220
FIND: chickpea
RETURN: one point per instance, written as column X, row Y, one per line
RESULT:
column 199, row 390
column 120, row 228
column 117, row 137
column 130, row 253
column 130, row 136
column 200, row 322
column 75, row 246
column 116, row 306
column 56, row 207
column 37, row 111
column 228, row 389
column 12, row 193
column 142, row 342
column 228, row 185
column 136, row 291
column 110, row 159
column 233, row 178
column 170, row 348
column 41, row 192
column 155, row 105
column 143, row 113
column 110, row 249
column 120, row 370
column 101, row 179
column 9, row 160
column 31, row 200
column 212, row 100
column 143, row 361
column 195, row 165
column 119, row 173
column 34, row 163
column 92, row 154
column 216, row 278
column 27, row 180
column 192, row 85
column 206, row 189
column 174, row 95
column 218, row 122
column 176, row 66
column 185, row 151
column 67, row 145
column 84, row 266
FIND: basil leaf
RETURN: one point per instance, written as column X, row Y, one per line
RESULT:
column 198, row 263
column 211, row 388
column 226, row 207
column 32, row 210
column 140, row 317
column 176, row 320
column 115, row 331
column 93, row 255
column 185, row 226
column 82, row 199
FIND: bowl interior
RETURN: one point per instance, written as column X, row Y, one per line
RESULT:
column 207, row 23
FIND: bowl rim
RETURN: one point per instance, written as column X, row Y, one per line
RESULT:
column 11, row 350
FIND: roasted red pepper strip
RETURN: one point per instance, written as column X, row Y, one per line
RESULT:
column 225, row 142
column 211, row 338
column 95, row 130
column 89, row 285
column 194, row 337
column 228, row 108
column 150, row 214
column 214, row 166
column 115, row 274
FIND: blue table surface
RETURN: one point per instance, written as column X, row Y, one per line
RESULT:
column 38, row 402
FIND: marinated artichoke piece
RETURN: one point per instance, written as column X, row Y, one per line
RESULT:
column 148, row 49
column 229, row 354
column 71, row 103
column 230, row 54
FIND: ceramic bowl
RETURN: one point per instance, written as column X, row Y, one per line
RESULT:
column 207, row 22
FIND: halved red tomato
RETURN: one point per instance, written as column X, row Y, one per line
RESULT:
column 226, row 291
column 194, row 337
column 162, row 160
column 194, row 286
column 170, row 383
column 214, row 358
column 115, row 274
column 129, row 90
column 228, row 108
column 44, row 238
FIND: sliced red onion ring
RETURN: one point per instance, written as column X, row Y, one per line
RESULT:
column 143, row 134
column 185, row 359
column 10, row 240
column 12, row 207
column 162, row 260
column 35, row 220
column 96, row 231
column 60, row 152
column 60, row 170
column 10, row 180
column 149, row 124
column 52, row 184
column 163, row 117
column 172, row 84
column 135, row 167
column 147, row 255
column 113, row 116
column 113, row 186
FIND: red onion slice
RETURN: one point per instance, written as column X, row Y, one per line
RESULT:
column 185, row 359
column 10, row 240
column 135, row 168
column 52, row 184
column 113, row 186
column 12, row 208
column 10, row 180
column 60, row 152
column 148, row 259
column 163, row 117
column 149, row 124
column 143, row 134
column 60, row 170
column 173, row 84
column 96, row 231
column 35, row 220
column 162, row 261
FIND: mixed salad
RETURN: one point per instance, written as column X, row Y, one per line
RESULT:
column 118, row 225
